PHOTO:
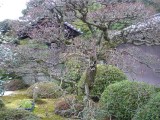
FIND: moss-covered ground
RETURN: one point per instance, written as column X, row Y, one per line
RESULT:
column 44, row 108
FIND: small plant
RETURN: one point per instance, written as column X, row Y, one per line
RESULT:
column 27, row 105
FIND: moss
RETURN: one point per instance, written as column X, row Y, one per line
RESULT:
column 151, row 111
column 105, row 76
column 24, row 42
column 83, row 26
column 12, row 101
column 122, row 99
column 44, row 108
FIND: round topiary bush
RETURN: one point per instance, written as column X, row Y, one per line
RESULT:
column 105, row 76
column 15, row 114
column 1, row 104
column 121, row 100
column 44, row 90
column 151, row 111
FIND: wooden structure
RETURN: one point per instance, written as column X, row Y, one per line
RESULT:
column 71, row 31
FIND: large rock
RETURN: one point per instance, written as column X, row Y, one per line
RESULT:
column 140, row 63
column 30, row 78
column 140, row 57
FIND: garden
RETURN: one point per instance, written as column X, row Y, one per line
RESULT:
column 81, row 60
column 112, row 97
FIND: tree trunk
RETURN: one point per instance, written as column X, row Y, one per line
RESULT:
column 90, row 74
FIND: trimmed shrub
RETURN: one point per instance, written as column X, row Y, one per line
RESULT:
column 121, row 100
column 151, row 111
column 105, row 76
column 1, row 104
column 44, row 90
column 14, row 114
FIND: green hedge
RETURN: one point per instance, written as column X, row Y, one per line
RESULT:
column 105, row 76
column 121, row 100
column 15, row 114
column 44, row 90
column 151, row 111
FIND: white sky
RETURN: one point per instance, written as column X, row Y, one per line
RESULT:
column 11, row 9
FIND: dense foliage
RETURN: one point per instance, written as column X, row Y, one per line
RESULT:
column 121, row 100
column 151, row 110
column 44, row 90
column 105, row 75
column 74, row 69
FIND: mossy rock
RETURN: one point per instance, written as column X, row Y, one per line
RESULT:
column 15, row 85
column 121, row 100
column 105, row 76
column 44, row 90
column 15, row 114
column 151, row 111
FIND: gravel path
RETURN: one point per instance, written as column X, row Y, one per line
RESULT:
column 7, row 93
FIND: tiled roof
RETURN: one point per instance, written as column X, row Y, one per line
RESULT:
column 145, row 32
